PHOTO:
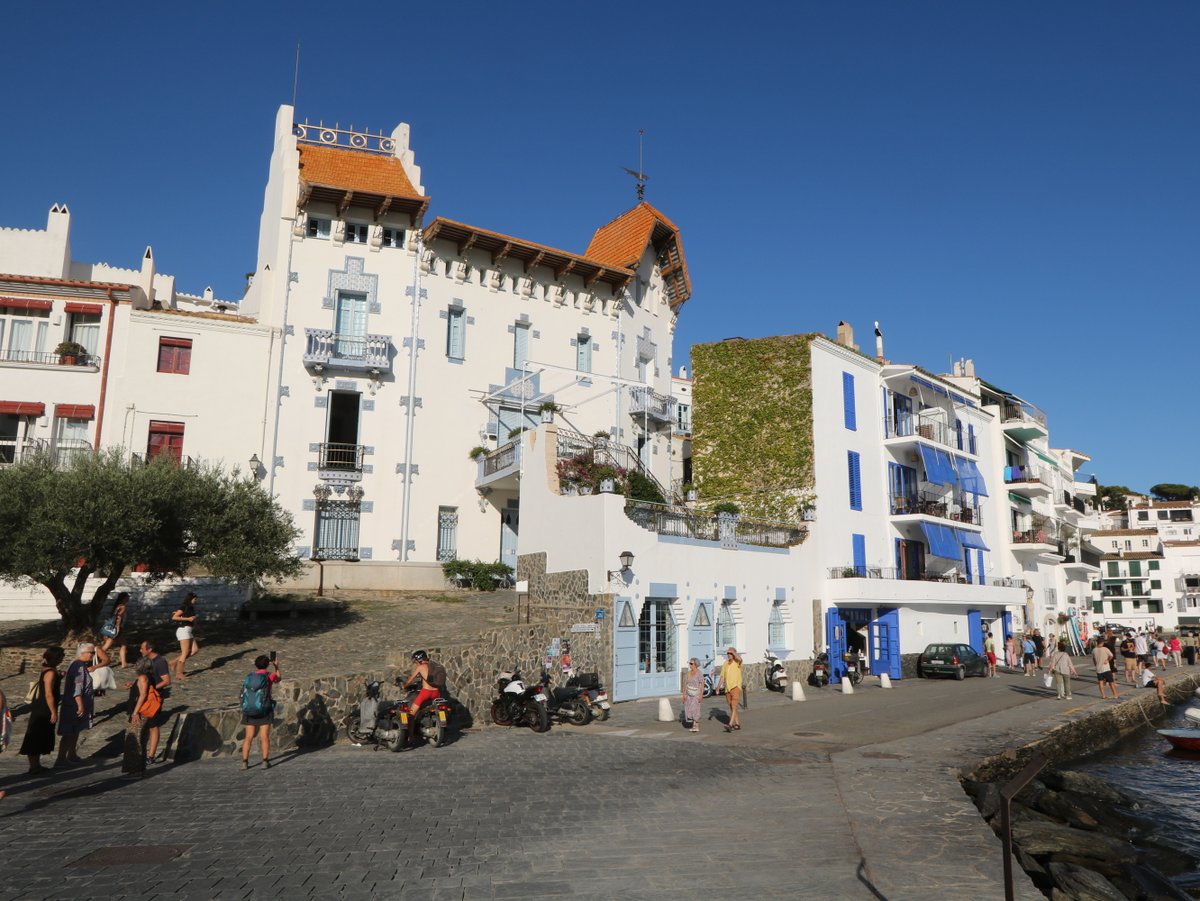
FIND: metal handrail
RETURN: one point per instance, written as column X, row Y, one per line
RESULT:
column 1022, row 412
column 684, row 522
column 501, row 458
column 43, row 358
column 892, row 573
column 340, row 457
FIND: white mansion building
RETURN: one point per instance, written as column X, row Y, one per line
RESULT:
column 415, row 389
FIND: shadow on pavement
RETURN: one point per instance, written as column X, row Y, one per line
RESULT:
column 861, row 873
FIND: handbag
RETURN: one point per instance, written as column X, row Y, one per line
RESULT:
column 31, row 695
column 1048, row 680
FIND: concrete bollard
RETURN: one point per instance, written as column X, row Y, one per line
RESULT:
column 798, row 691
column 847, row 687
column 665, row 713
column 885, row 681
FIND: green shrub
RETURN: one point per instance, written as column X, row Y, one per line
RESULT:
column 726, row 507
column 477, row 574
column 643, row 489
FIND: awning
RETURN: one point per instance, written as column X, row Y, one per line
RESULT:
column 970, row 477
column 74, row 411
column 21, row 303
column 917, row 380
column 942, row 541
column 971, row 539
column 21, row 408
column 938, row 467
column 93, row 309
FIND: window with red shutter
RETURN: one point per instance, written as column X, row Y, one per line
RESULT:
column 175, row 355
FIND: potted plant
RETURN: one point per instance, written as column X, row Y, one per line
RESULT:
column 548, row 409
column 689, row 491
column 726, row 507
column 69, row 352
column 476, row 452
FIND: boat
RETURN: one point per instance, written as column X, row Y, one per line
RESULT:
column 1182, row 739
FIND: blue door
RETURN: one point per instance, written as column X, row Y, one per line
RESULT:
column 975, row 630
column 885, row 644
column 1007, row 619
column 835, row 642
column 700, row 633
column 625, row 652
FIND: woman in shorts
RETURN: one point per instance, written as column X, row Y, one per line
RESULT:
column 1129, row 656
column 185, row 633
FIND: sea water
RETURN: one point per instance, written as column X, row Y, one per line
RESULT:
column 1166, row 782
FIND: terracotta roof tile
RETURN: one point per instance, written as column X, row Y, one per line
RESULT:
column 623, row 241
column 1133, row 555
column 1145, row 533
column 1163, row 505
column 353, row 170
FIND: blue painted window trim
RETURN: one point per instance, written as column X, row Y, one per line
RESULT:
column 859, row 545
column 849, row 413
column 456, row 333
column 854, row 464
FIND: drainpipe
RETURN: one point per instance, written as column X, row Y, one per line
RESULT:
column 287, row 297
column 410, row 425
column 104, row 367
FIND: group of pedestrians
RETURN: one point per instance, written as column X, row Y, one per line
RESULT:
column 729, row 681
column 62, row 703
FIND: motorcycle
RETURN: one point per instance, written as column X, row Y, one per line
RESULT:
column 596, row 695
column 712, row 679
column 819, row 676
column 567, row 705
column 856, row 667
column 776, row 674
column 518, row 705
column 376, row 721
column 431, row 720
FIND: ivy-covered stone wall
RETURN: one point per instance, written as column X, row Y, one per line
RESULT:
column 752, row 436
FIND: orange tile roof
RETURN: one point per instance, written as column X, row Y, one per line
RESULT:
column 1143, row 532
column 353, row 170
column 623, row 241
column 1163, row 505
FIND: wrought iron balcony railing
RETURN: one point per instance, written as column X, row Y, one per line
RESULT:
column 14, row 450
column 939, row 505
column 683, row 522
column 645, row 402
column 340, row 457
column 85, row 361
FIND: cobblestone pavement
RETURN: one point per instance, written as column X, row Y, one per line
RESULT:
column 843, row 797
column 358, row 640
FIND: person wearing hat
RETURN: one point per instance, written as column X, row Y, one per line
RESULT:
column 731, row 679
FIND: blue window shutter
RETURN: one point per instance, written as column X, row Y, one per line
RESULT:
column 852, row 458
column 848, row 401
column 455, row 322
column 860, row 553
column 583, row 353
column 958, row 433
column 971, row 438
column 887, row 420
column 979, row 568
column 520, row 345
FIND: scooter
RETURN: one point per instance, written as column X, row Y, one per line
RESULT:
column 376, row 721
column 856, row 667
column 596, row 695
column 518, row 705
column 567, row 705
column 430, row 722
column 819, row 676
column 712, row 679
column 776, row 674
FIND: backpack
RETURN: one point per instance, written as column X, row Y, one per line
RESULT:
column 256, row 695
column 437, row 675
column 153, row 702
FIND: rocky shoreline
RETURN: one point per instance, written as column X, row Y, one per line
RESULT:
column 1077, row 837
column 1080, row 839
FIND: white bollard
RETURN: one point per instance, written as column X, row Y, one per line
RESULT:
column 798, row 692
column 847, row 687
column 1198, row 692
column 665, row 713
column 885, row 681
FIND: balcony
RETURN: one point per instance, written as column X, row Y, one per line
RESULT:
column 340, row 462
column 934, row 431
column 654, row 406
column 1029, row 480
column 1082, row 563
column 14, row 450
column 326, row 349
column 1034, row 541
column 1023, row 421
column 683, row 522
column 935, row 505
column 501, row 468
column 885, row 586
column 83, row 363
column 183, row 460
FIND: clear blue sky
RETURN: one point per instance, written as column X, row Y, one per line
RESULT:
column 1012, row 182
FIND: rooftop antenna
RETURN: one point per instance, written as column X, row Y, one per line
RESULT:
column 296, row 78
column 640, row 174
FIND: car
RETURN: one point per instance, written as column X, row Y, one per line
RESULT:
column 957, row 660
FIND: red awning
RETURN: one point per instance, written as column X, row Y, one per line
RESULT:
column 74, row 411
column 166, row 428
column 22, row 408
column 94, row 309
column 23, row 303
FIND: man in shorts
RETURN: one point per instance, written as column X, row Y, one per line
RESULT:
column 1103, row 658
column 160, row 678
column 989, row 650
column 1149, row 680
column 1028, row 654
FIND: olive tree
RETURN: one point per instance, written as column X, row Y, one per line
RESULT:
column 101, row 515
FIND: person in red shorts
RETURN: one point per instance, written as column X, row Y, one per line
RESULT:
column 429, row 677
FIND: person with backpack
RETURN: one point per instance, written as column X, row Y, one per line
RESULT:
column 258, row 709
column 429, row 678
column 144, row 704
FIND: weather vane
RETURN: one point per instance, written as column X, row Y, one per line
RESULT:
column 640, row 174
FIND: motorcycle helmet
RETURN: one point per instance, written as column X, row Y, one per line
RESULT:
column 419, row 656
